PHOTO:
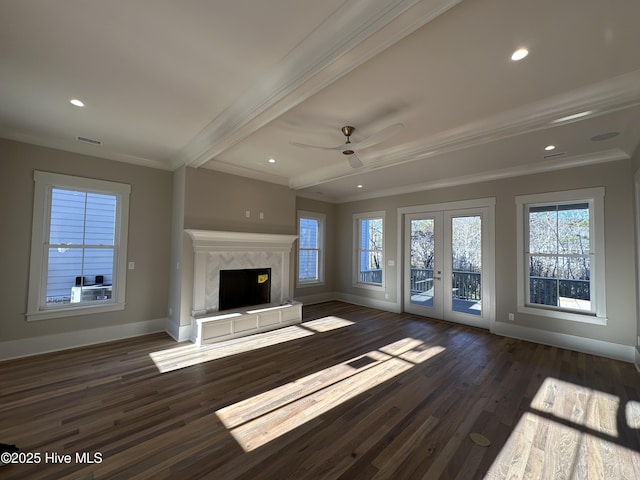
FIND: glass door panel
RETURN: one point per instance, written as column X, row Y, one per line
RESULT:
column 422, row 261
column 466, row 264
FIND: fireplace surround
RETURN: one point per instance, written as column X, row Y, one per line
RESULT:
column 221, row 250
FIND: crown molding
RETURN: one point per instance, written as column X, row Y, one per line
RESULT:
column 498, row 174
column 97, row 151
column 601, row 98
column 349, row 37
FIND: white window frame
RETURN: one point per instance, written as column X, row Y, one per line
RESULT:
column 45, row 182
column 321, row 219
column 594, row 197
column 357, row 222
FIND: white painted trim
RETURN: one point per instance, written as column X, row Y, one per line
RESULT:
column 487, row 208
column 25, row 347
column 317, row 298
column 369, row 302
column 615, row 351
column 45, row 182
column 595, row 198
column 498, row 174
column 180, row 333
column 637, row 359
column 321, row 218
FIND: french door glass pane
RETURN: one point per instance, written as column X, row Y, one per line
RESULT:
column 466, row 262
column 422, row 261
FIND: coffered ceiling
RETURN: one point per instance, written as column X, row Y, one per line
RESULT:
column 229, row 85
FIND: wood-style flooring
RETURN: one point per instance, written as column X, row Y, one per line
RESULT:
column 351, row 393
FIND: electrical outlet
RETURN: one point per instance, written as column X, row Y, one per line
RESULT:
column 247, row 213
column 511, row 317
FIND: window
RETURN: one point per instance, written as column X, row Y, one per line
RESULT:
column 310, row 248
column 369, row 249
column 78, row 246
column 561, row 255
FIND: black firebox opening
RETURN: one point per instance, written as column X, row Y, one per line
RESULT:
column 244, row 288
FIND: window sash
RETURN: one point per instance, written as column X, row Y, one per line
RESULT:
column 104, row 297
column 595, row 313
column 310, row 243
column 365, row 250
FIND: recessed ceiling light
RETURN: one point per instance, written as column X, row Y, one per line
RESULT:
column 575, row 116
column 519, row 54
column 548, row 148
column 76, row 102
column 359, row 186
column 272, row 160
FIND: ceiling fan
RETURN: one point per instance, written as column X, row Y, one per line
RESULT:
column 348, row 148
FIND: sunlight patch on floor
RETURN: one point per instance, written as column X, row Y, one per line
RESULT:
column 570, row 431
column 258, row 420
column 190, row 354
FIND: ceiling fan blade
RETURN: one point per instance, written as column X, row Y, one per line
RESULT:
column 378, row 137
column 317, row 147
column 354, row 161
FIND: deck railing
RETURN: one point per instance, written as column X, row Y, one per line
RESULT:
column 466, row 285
column 545, row 290
column 371, row 276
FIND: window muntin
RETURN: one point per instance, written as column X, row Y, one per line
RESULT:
column 78, row 251
column 370, row 249
column 561, row 261
column 310, row 248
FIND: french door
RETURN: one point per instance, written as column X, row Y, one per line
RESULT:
column 447, row 265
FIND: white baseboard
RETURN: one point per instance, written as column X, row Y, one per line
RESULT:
column 317, row 298
column 25, row 347
column 369, row 302
column 180, row 333
column 615, row 351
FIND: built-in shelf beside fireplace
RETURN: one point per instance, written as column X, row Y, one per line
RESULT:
column 220, row 250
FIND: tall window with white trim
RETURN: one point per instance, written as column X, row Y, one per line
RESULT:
column 311, row 228
column 369, row 259
column 78, row 249
column 562, row 260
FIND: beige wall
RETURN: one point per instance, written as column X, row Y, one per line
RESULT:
column 318, row 293
column 619, row 244
column 219, row 201
column 148, row 247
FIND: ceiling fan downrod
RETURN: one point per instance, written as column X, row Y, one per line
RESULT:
column 347, row 131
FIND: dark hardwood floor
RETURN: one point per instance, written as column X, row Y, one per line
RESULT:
column 352, row 393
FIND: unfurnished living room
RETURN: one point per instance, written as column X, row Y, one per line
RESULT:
column 320, row 240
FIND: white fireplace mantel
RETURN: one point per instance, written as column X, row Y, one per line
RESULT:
column 210, row 245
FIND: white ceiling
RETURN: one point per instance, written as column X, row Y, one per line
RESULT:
column 228, row 84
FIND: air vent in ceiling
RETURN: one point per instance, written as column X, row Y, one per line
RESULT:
column 554, row 155
column 88, row 140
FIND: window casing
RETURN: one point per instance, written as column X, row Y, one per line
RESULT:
column 311, row 231
column 561, row 255
column 78, row 246
column 369, row 250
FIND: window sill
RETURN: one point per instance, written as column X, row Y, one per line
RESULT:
column 369, row 286
column 310, row 284
column 72, row 312
column 564, row 315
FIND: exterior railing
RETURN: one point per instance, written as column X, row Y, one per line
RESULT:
column 371, row 276
column 466, row 285
column 545, row 290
